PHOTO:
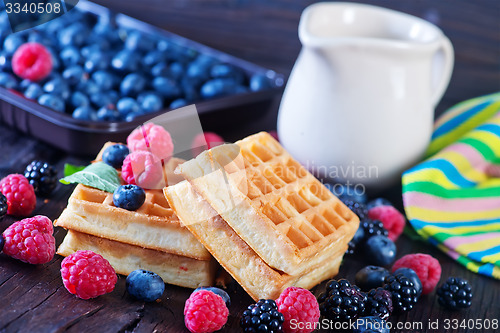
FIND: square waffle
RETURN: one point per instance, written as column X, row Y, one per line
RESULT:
column 154, row 225
column 258, row 279
column 288, row 217
column 125, row 258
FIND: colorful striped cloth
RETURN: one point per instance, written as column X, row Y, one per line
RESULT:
column 453, row 198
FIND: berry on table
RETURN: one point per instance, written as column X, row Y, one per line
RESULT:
column 404, row 294
column 115, row 154
column 379, row 303
column 300, row 306
column 455, row 293
column 21, row 199
column 30, row 240
column 358, row 208
column 87, row 274
column 217, row 291
column 342, row 301
column 370, row 277
column 52, row 101
column 262, row 317
column 410, row 274
column 42, row 176
column 380, row 250
column 3, row 205
column 371, row 324
column 145, row 285
column 392, row 219
column 427, row 268
column 373, row 228
column 32, row 61
column 205, row 312
column 129, row 197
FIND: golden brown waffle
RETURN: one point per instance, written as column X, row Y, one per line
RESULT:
column 125, row 258
column 273, row 203
column 154, row 225
column 255, row 276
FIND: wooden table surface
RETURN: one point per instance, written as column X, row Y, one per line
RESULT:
column 33, row 298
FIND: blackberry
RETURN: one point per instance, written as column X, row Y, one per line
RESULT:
column 357, row 208
column 404, row 294
column 373, row 228
column 42, row 176
column 455, row 293
column 378, row 303
column 3, row 205
column 341, row 301
column 262, row 317
column 351, row 249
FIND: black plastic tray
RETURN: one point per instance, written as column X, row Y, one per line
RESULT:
column 87, row 137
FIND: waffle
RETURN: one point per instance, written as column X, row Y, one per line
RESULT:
column 273, row 203
column 258, row 279
column 154, row 225
column 125, row 258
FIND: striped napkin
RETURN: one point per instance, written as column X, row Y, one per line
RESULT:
column 452, row 199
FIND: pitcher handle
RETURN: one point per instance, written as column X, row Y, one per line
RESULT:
column 448, row 53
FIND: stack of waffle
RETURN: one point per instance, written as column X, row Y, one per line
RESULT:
column 265, row 218
column 150, row 238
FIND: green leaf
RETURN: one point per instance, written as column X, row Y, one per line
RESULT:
column 98, row 175
column 70, row 169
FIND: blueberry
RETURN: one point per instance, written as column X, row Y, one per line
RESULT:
column 104, row 98
column 190, row 89
column 104, row 80
column 73, row 74
column 115, row 154
column 160, row 69
column 129, row 197
column 84, row 113
column 380, row 250
column 217, row 291
column 75, row 34
column 139, row 41
column 132, row 84
column 358, row 236
column 176, row 70
column 218, row 87
column 8, row 81
column 198, row 71
column 260, row 82
column 78, row 99
column 152, row 58
column 125, row 61
column 370, row 277
column 88, row 87
column 372, row 324
column 11, row 43
column 5, row 63
column 88, row 50
column 378, row 202
column 150, row 102
column 227, row 71
column 52, row 101
column 133, row 115
column 412, row 276
column 107, row 114
column 127, row 105
column 70, row 56
column 168, row 88
column 145, row 285
column 57, row 87
column 178, row 103
column 33, row 91
column 95, row 62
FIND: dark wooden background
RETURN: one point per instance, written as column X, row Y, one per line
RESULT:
column 33, row 298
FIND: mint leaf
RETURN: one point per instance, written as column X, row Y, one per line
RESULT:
column 70, row 169
column 98, row 175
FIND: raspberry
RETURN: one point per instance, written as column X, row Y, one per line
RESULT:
column 300, row 305
column 151, row 138
column 205, row 312
column 87, row 274
column 143, row 169
column 32, row 61
column 392, row 219
column 205, row 140
column 21, row 199
column 427, row 268
column 30, row 240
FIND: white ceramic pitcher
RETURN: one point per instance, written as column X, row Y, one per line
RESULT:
column 359, row 103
